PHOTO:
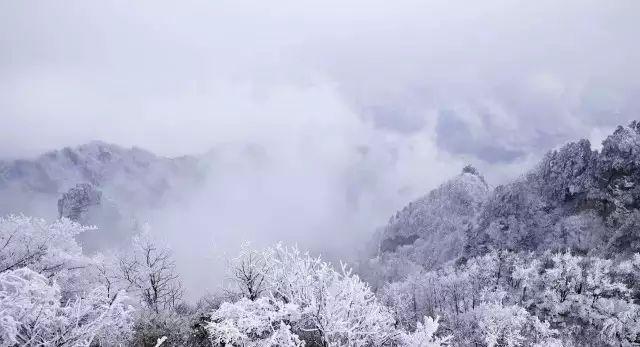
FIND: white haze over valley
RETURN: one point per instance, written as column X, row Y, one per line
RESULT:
column 307, row 123
column 353, row 109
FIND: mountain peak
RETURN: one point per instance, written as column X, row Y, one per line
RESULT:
column 471, row 170
column 436, row 223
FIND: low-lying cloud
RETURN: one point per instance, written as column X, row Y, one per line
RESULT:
column 352, row 109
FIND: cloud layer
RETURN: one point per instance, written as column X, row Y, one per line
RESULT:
column 180, row 78
column 358, row 106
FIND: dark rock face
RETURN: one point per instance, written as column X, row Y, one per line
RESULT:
column 391, row 243
column 471, row 170
column 75, row 203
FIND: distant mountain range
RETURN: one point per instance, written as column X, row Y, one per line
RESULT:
column 576, row 197
column 96, row 183
column 129, row 176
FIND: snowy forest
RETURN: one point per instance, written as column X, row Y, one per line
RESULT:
column 550, row 259
column 359, row 173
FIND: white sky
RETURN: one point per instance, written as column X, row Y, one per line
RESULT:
column 179, row 78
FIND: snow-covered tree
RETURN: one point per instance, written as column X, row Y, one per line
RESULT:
column 321, row 304
column 524, row 299
column 335, row 305
column 48, row 248
column 584, row 298
column 424, row 335
column 500, row 325
column 33, row 313
column 149, row 271
column 246, row 272
column 402, row 300
column 253, row 323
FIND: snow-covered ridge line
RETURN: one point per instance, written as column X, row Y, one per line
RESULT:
column 575, row 198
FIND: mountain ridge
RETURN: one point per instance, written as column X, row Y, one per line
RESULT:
column 576, row 198
column 128, row 175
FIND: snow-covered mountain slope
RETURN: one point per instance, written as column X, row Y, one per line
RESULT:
column 129, row 177
column 432, row 229
column 576, row 198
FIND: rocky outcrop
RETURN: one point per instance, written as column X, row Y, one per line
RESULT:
column 75, row 203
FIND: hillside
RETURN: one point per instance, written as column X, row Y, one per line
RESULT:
column 575, row 198
column 551, row 259
column 432, row 229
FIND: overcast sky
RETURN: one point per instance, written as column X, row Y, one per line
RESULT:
column 408, row 89
column 490, row 80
